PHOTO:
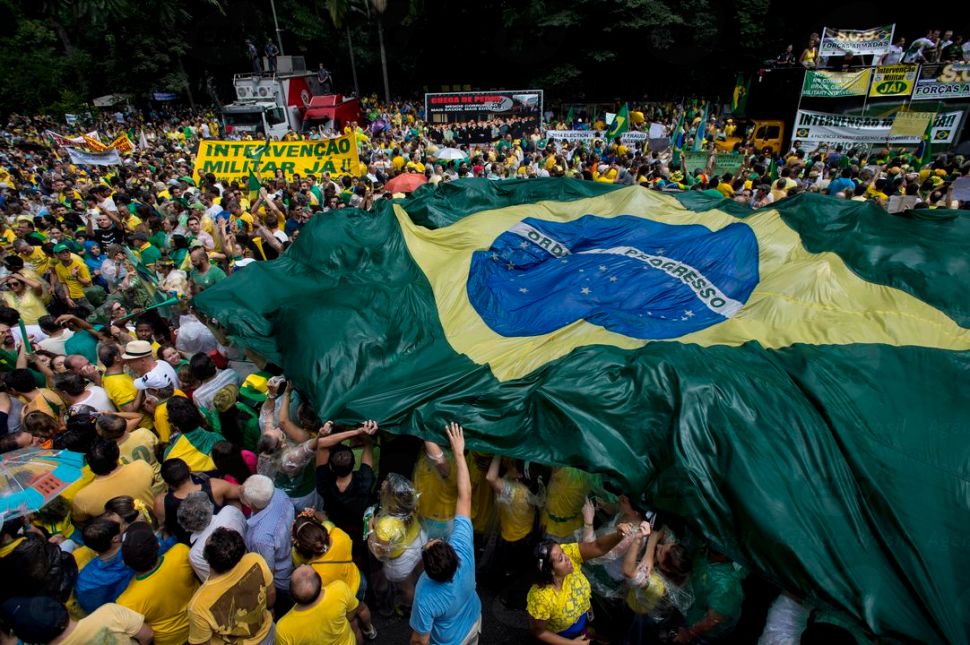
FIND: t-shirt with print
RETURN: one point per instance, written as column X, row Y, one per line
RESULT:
column 563, row 607
column 325, row 622
column 109, row 624
column 231, row 607
column 140, row 445
column 448, row 610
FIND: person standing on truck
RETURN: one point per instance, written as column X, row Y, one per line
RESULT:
column 272, row 51
column 323, row 75
column 253, row 54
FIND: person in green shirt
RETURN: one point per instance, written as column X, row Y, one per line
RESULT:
column 717, row 599
column 203, row 274
column 147, row 253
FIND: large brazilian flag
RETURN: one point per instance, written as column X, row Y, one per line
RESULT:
column 792, row 381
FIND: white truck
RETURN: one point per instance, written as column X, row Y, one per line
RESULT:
column 271, row 104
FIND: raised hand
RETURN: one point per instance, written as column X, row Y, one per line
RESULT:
column 456, row 436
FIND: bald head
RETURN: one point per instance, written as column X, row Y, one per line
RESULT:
column 304, row 585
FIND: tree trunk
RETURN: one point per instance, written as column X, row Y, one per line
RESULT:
column 353, row 65
column 62, row 35
column 188, row 87
column 380, row 37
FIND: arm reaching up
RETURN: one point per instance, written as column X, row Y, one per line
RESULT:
column 456, row 436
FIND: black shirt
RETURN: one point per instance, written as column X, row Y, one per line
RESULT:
column 111, row 235
column 346, row 509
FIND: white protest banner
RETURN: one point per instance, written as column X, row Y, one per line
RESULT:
column 571, row 135
column 657, row 131
column 943, row 82
column 85, row 158
column 864, row 42
column 821, row 127
column 631, row 136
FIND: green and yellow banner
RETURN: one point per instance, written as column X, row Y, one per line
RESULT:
column 233, row 160
column 826, row 84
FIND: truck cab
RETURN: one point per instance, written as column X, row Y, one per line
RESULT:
column 260, row 119
column 761, row 134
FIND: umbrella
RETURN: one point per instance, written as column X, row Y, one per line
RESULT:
column 31, row 477
column 406, row 183
column 451, row 154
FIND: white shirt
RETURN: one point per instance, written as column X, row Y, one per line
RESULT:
column 34, row 332
column 229, row 517
column 893, row 57
column 162, row 369
column 97, row 398
column 55, row 344
column 109, row 204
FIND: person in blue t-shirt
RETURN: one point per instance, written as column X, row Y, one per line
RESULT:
column 104, row 578
column 446, row 610
column 844, row 182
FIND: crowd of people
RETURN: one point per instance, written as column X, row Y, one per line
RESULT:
column 215, row 506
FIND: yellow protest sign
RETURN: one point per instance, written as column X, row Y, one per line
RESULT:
column 93, row 144
column 910, row 124
column 122, row 144
column 893, row 80
column 234, row 159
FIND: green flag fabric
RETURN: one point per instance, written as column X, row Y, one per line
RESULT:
column 621, row 123
column 791, row 381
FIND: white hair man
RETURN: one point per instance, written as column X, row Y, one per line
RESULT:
column 268, row 533
column 195, row 516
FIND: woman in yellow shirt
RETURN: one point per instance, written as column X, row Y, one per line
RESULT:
column 24, row 294
column 559, row 602
column 327, row 549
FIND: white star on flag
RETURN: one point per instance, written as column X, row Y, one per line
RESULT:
column 602, row 267
column 688, row 313
column 613, row 278
column 661, row 251
column 509, row 266
column 585, row 291
column 523, row 245
column 495, row 256
column 523, row 290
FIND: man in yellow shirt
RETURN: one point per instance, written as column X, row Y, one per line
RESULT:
column 33, row 257
column 322, row 615
column 73, row 276
column 119, row 385
column 111, row 480
column 162, row 587
column 233, row 604
column 133, row 445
